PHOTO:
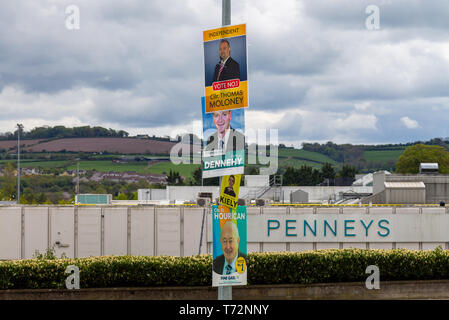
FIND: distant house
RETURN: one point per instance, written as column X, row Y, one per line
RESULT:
column 129, row 177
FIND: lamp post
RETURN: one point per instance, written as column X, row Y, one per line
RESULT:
column 225, row 292
column 19, row 127
column 77, row 176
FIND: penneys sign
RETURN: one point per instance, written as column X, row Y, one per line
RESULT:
column 330, row 227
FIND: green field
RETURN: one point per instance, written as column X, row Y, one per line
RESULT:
column 139, row 167
column 284, row 162
column 26, row 163
column 286, row 158
column 183, row 169
column 306, row 155
column 383, row 155
column 107, row 166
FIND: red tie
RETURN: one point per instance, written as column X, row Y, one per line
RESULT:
column 219, row 71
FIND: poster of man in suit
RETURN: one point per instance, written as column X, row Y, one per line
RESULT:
column 225, row 66
column 223, row 142
column 229, row 246
column 226, row 138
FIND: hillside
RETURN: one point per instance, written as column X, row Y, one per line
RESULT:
column 12, row 144
column 99, row 152
column 110, row 145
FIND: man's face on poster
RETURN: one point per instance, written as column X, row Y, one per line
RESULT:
column 231, row 181
column 229, row 242
column 225, row 50
column 222, row 120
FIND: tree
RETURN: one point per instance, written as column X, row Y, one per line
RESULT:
column 196, row 177
column 211, row 181
column 142, row 184
column 412, row 156
column 41, row 198
column 289, row 177
column 304, row 176
column 28, row 195
column 348, row 171
column 174, row 178
column 8, row 187
column 327, row 171
column 122, row 196
column 252, row 170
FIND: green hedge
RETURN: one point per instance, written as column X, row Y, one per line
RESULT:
column 319, row 266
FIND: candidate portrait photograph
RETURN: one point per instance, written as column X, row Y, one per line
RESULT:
column 225, row 59
column 223, row 137
column 229, row 190
column 225, row 263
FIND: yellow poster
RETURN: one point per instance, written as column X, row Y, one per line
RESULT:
column 229, row 190
column 225, row 66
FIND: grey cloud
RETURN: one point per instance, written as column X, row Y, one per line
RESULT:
column 349, row 14
column 141, row 62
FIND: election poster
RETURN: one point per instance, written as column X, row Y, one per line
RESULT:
column 229, row 246
column 224, row 142
column 229, row 191
column 225, row 66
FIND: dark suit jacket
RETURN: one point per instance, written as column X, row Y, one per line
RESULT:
column 236, row 141
column 219, row 262
column 230, row 71
column 229, row 191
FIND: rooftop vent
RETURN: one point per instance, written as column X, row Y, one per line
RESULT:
column 428, row 168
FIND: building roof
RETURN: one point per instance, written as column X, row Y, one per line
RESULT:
column 405, row 185
column 428, row 165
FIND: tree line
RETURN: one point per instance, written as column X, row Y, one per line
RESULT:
column 48, row 132
column 302, row 176
column 354, row 154
column 327, row 175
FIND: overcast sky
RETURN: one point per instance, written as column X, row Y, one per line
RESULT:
column 316, row 72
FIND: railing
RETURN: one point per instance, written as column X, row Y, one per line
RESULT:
column 275, row 181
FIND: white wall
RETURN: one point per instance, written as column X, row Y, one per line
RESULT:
column 176, row 230
column 10, row 233
column 256, row 180
column 316, row 194
column 151, row 194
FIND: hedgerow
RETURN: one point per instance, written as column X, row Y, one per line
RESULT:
column 319, row 266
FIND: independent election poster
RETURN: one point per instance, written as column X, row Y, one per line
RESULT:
column 225, row 66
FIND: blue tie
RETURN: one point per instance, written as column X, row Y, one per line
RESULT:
column 228, row 269
column 222, row 144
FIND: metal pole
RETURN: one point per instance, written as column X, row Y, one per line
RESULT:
column 202, row 228
column 202, row 150
column 225, row 292
column 226, row 13
column 19, row 126
column 78, row 175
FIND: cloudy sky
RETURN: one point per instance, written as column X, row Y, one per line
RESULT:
column 316, row 72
